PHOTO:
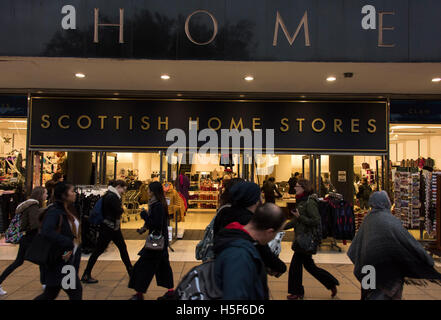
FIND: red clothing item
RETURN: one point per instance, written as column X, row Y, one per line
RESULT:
column 237, row 226
column 300, row 196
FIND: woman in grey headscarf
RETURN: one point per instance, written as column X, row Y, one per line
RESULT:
column 383, row 243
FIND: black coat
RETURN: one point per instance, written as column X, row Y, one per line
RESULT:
column 61, row 242
column 243, row 216
column 156, row 221
column 112, row 206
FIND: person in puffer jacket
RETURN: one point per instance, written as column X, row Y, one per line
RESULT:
column 29, row 212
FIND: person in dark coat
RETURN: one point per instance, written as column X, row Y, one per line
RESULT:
column 239, row 269
column 396, row 256
column 50, row 185
column 270, row 190
column 292, row 183
column 29, row 212
column 61, row 226
column 364, row 192
column 246, row 198
column 154, row 262
column 110, row 230
column 306, row 221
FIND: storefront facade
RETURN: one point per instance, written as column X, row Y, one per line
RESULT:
column 105, row 130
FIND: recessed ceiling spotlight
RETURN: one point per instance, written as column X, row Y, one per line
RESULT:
column 80, row 75
column 179, row 94
column 249, row 78
column 331, row 79
column 165, row 77
column 242, row 96
column 436, row 80
column 116, row 93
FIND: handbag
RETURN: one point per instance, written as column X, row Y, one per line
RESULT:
column 307, row 242
column 41, row 249
column 155, row 242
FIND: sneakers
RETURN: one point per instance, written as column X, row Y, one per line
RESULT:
column 87, row 278
column 2, row 292
column 43, row 286
column 169, row 295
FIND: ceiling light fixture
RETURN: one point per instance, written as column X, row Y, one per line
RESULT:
column 249, row 78
column 80, row 75
column 331, row 79
column 406, row 127
column 17, row 128
column 436, row 80
column 179, row 94
column 16, row 121
column 433, row 127
column 165, row 77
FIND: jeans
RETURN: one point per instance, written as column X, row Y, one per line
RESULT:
column 25, row 243
column 295, row 277
column 105, row 236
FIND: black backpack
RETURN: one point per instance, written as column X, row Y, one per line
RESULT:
column 199, row 284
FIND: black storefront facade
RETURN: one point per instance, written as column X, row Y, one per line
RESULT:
column 89, row 125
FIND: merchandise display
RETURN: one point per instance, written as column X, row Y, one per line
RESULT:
column 407, row 198
column 206, row 196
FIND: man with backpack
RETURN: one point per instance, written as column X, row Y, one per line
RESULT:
column 239, row 270
column 110, row 229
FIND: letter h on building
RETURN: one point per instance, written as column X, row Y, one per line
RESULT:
column 120, row 25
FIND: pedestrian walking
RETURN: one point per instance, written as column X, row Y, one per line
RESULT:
column 61, row 226
column 110, row 230
column 29, row 212
column 396, row 256
column 271, row 191
column 306, row 224
column 154, row 261
column 239, row 269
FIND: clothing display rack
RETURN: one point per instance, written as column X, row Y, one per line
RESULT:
column 338, row 220
column 407, row 198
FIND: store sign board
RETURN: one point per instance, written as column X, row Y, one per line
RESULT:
column 246, row 30
column 342, row 176
column 415, row 111
column 120, row 124
column 13, row 106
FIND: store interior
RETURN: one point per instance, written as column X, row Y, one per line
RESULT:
column 413, row 149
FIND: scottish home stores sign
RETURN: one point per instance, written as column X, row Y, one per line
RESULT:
column 248, row 30
column 119, row 124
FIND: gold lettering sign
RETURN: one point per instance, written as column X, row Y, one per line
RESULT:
column 281, row 23
column 162, row 122
column 215, row 26
column 337, row 125
column 102, row 118
column 256, row 122
column 238, row 126
column 300, row 121
column 131, row 123
column 45, row 123
column 219, row 123
column 60, row 121
column 372, row 127
column 145, row 124
column 323, row 125
column 285, row 125
column 381, row 44
column 89, row 122
column 117, row 118
column 354, row 125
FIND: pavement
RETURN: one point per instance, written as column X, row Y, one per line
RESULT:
column 24, row 283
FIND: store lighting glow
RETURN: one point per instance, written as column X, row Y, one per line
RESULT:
column 16, row 121
column 331, row 79
column 165, row 77
column 411, row 134
column 436, row 80
column 433, row 127
column 80, row 75
column 16, row 128
column 249, row 78
column 406, row 127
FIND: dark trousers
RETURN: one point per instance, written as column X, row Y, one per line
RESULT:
column 51, row 293
column 295, row 277
column 105, row 236
column 152, row 263
column 25, row 242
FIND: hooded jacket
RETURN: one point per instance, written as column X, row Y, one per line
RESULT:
column 239, row 270
column 385, row 244
column 29, row 211
column 112, row 205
